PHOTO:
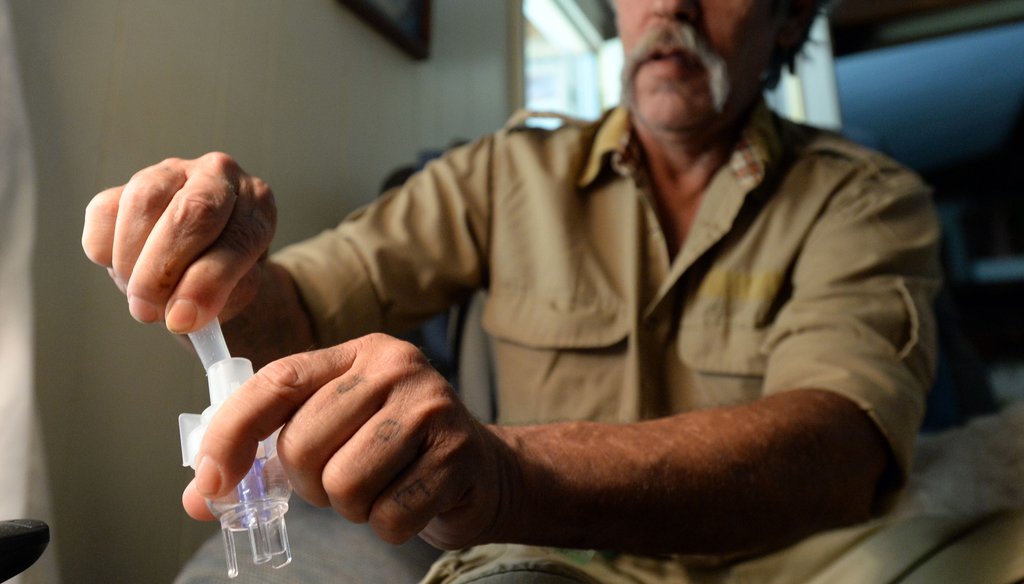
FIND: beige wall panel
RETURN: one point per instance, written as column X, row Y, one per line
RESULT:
column 304, row 95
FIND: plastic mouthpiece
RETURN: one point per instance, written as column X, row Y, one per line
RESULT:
column 258, row 504
column 209, row 344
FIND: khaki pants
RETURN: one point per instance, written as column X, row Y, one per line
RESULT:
column 887, row 551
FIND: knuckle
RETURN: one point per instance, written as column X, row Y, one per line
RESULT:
column 434, row 406
column 264, row 205
column 96, row 255
column 147, row 194
column 401, row 353
column 435, row 399
column 439, row 405
column 378, row 339
column 170, row 164
column 221, row 162
column 306, row 485
column 104, row 203
column 344, row 497
column 341, row 488
column 196, row 209
column 283, row 375
column 140, row 176
column 261, row 191
column 293, row 452
column 391, row 523
column 311, row 494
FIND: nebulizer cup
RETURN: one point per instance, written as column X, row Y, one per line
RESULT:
column 258, row 504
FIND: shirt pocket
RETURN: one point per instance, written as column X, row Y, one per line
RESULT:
column 727, row 363
column 557, row 361
column 549, row 323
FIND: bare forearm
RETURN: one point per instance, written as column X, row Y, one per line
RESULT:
column 719, row 481
column 275, row 324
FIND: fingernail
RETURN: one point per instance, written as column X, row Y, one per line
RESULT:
column 208, row 477
column 181, row 316
column 142, row 311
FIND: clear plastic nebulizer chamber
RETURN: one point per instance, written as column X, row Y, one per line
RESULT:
column 258, row 504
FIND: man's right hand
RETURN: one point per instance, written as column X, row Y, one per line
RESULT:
column 185, row 240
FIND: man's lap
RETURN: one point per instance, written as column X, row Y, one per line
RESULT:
column 326, row 548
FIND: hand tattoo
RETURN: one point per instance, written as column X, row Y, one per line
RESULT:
column 388, row 430
column 415, row 490
column 345, row 385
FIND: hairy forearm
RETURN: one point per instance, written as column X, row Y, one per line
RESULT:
column 720, row 481
column 274, row 324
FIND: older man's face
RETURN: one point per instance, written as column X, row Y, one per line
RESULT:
column 673, row 84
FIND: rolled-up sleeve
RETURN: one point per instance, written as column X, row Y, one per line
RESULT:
column 860, row 319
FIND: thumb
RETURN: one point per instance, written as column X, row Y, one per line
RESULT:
column 195, row 504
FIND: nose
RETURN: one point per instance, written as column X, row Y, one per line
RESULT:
column 681, row 10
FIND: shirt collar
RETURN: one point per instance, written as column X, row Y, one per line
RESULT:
column 610, row 145
column 757, row 150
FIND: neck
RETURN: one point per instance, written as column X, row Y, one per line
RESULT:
column 684, row 160
column 681, row 164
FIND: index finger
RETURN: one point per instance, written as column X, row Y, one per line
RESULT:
column 99, row 226
column 258, row 408
column 143, row 200
column 193, row 219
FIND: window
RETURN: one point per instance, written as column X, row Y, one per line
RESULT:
column 569, row 67
column 572, row 68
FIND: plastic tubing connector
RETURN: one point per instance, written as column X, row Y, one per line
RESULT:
column 259, row 502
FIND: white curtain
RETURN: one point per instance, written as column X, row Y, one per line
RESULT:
column 23, row 488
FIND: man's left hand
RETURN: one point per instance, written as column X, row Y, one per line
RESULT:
column 371, row 430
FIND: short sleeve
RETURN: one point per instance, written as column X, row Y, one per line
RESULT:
column 860, row 320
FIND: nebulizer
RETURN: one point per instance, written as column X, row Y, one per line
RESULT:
column 258, row 504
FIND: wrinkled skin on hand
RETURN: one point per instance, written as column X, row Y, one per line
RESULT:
column 371, row 430
column 184, row 240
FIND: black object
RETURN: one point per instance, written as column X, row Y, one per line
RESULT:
column 22, row 541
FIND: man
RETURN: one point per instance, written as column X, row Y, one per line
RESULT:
column 735, row 311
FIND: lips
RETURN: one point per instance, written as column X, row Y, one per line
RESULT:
column 671, row 61
column 674, row 55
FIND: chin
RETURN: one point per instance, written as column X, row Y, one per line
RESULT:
column 673, row 111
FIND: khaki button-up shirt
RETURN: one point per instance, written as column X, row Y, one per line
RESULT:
column 812, row 264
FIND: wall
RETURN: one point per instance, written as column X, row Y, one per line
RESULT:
column 304, row 95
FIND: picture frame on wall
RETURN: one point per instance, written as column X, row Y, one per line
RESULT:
column 404, row 22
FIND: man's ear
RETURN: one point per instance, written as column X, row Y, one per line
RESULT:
column 796, row 22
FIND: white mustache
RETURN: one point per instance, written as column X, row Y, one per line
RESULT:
column 678, row 37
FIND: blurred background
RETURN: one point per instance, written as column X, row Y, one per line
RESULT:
column 323, row 103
